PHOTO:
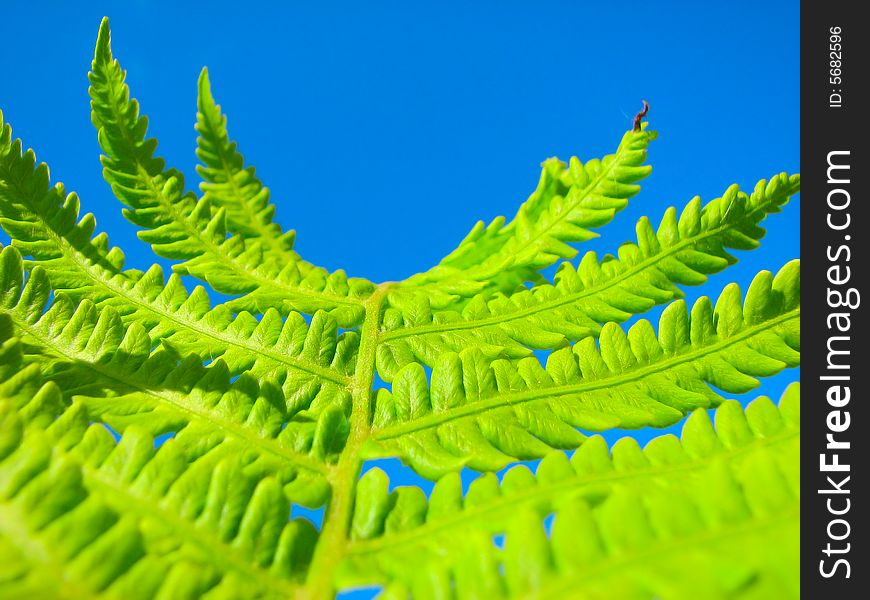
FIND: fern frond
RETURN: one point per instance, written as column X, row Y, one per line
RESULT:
column 630, row 524
column 229, row 184
column 82, row 516
column 485, row 414
column 274, row 397
column 684, row 250
column 178, row 226
column 44, row 225
column 568, row 202
column 295, row 425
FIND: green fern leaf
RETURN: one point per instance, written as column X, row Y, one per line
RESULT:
column 569, row 201
column 83, row 516
column 485, row 414
column 112, row 372
column 631, row 523
column 683, row 251
column 228, row 184
column 178, row 226
column 43, row 224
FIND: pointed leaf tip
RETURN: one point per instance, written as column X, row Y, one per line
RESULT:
column 103, row 51
column 204, row 86
column 203, row 78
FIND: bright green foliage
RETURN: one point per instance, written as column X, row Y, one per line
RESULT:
column 484, row 414
column 683, row 251
column 179, row 225
column 681, row 518
column 82, row 514
column 569, row 200
column 275, row 399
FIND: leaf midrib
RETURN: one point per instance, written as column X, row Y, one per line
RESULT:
column 333, row 541
column 262, row 229
column 512, row 399
column 569, row 298
column 173, row 398
column 180, row 219
column 540, row 492
column 509, row 228
column 586, row 192
column 119, row 292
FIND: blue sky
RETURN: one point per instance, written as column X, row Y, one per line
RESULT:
column 385, row 132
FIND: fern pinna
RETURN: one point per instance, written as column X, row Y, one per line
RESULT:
column 279, row 395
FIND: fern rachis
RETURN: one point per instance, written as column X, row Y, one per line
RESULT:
column 276, row 397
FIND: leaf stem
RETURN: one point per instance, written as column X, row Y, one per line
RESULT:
column 333, row 540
